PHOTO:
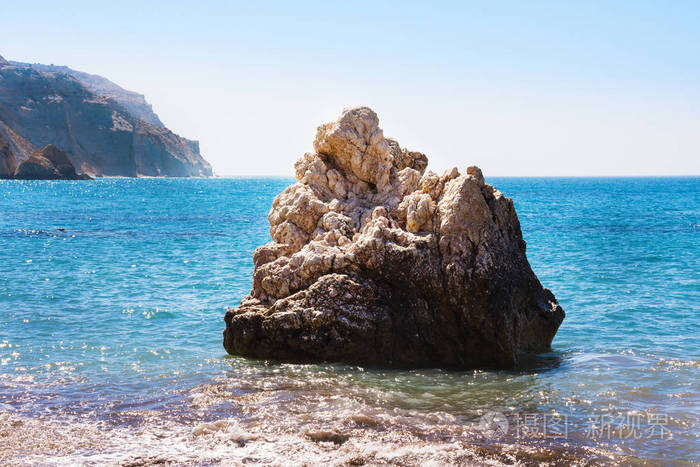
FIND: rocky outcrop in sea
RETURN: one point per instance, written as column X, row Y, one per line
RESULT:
column 104, row 129
column 8, row 162
column 50, row 163
column 373, row 260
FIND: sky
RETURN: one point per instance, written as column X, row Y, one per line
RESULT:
column 527, row 88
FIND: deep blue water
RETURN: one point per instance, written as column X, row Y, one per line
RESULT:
column 112, row 295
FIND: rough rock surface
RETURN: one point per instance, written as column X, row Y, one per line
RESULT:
column 50, row 163
column 98, row 132
column 373, row 260
column 8, row 162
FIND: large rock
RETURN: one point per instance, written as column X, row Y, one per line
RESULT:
column 92, row 122
column 375, row 261
column 51, row 163
column 8, row 162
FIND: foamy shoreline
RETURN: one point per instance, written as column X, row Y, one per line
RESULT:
column 363, row 440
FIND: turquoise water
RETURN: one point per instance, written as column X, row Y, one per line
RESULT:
column 112, row 296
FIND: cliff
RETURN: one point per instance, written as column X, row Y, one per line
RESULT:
column 98, row 132
column 373, row 260
column 133, row 102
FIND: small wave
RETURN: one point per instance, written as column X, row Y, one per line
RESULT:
column 679, row 363
column 155, row 313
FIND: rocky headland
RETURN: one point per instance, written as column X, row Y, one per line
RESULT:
column 375, row 260
column 104, row 129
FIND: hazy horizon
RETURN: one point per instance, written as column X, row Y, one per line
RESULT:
column 519, row 89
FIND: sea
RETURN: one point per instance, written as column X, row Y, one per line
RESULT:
column 113, row 293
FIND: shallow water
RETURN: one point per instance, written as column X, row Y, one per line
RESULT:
column 112, row 296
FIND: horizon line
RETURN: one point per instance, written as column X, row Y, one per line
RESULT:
column 216, row 175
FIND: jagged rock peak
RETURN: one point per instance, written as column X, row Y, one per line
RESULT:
column 373, row 260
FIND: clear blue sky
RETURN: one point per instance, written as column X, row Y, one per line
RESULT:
column 518, row 88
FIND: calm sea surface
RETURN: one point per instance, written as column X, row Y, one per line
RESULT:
column 113, row 292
